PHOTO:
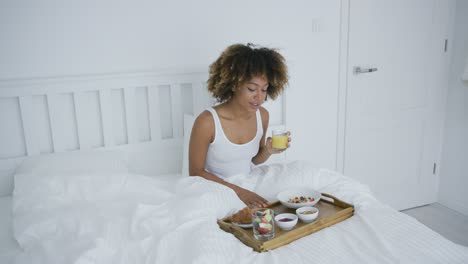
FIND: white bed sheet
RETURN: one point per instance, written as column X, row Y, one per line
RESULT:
column 9, row 248
column 128, row 218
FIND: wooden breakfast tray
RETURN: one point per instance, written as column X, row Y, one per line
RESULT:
column 332, row 211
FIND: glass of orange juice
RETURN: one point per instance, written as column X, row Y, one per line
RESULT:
column 279, row 139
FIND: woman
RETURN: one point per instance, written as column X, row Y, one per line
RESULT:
column 227, row 138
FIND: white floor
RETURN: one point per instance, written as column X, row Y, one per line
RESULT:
column 445, row 221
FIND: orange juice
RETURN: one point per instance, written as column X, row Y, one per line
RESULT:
column 280, row 141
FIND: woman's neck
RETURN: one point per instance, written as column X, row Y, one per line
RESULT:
column 235, row 111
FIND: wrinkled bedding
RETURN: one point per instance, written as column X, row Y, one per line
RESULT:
column 129, row 218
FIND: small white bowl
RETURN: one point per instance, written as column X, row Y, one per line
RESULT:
column 307, row 218
column 287, row 225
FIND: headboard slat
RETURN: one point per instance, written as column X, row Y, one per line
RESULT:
column 29, row 128
column 53, row 111
column 197, row 100
column 83, row 139
column 106, row 117
column 200, row 98
column 130, row 114
column 177, row 117
column 154, row 116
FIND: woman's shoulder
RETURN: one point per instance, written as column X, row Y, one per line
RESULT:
column 204, row 120
column 263, row 111
column 203, row 128
column 264, row 114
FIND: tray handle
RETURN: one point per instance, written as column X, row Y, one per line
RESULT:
column 333, row 200
column 329, row 197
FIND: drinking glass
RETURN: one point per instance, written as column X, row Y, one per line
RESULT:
column 279, row 139
column 263, row 223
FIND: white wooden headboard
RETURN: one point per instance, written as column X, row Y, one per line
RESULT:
column 133, row 112
column 139, row 114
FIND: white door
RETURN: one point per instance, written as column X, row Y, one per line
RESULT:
column 389, row 110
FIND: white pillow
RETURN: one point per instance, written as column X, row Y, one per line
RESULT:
column 77, row 161
column 188, row 124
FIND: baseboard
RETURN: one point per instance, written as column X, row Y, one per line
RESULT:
column 455, row 205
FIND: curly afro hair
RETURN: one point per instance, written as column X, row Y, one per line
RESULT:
column 240, row 63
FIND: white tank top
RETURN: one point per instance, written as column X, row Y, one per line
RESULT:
column 224, row 158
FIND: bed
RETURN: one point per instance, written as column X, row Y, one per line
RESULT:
column 9, row 248
column 111, row 185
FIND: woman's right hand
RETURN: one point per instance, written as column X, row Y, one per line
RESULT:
column 251, row 199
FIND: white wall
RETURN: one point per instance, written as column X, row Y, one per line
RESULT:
column 48, row 38
column 454, row 173
column 57, row 38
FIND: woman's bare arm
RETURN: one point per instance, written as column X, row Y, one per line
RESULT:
column 200, row 139
column 265, row 149
column 263, row 152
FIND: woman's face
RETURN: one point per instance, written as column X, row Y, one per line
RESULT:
column 251, row 94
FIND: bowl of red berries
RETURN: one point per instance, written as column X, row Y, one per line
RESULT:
column 286, row 221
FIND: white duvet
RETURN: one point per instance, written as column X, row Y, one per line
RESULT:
column 128, row 218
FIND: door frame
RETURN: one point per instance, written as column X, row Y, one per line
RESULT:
column 342, row 85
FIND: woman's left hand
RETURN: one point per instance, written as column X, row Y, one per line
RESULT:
column 271, row 150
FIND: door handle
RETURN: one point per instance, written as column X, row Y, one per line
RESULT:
column 358, row 70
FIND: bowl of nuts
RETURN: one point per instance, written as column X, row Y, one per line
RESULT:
column 307, row 214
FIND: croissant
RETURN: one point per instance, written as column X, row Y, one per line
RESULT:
column 243, row 216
